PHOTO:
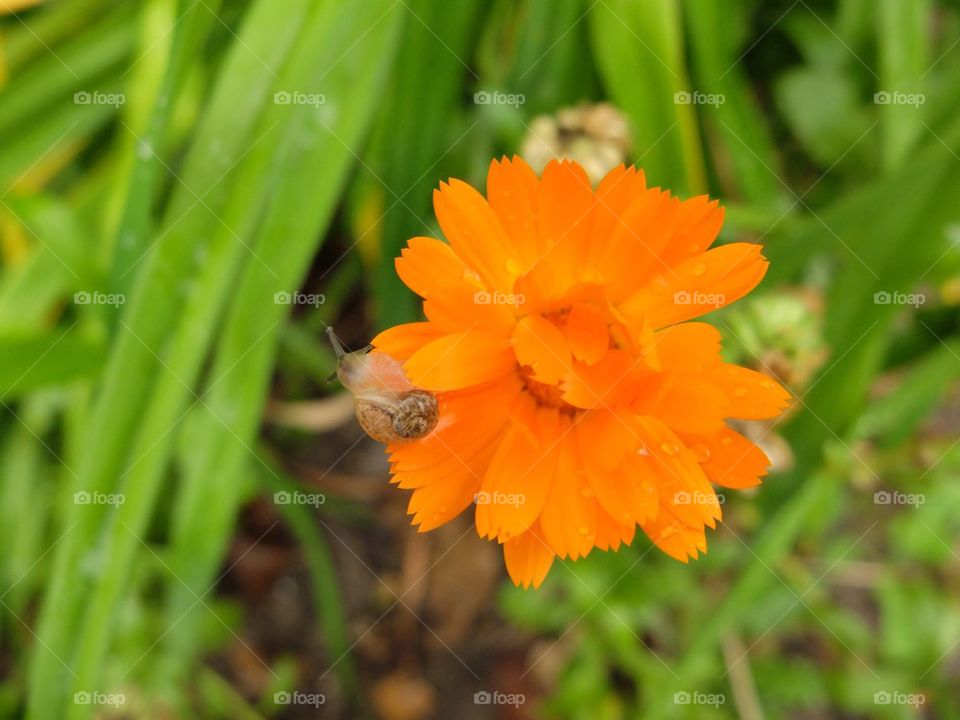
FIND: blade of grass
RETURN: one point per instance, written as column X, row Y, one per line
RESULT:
column 222, row 140
column 638, row 48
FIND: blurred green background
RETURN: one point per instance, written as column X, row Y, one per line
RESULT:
column 191, row 191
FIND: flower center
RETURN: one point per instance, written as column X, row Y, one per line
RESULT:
column 544, row 394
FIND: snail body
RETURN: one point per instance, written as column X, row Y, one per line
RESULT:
column 388, row 407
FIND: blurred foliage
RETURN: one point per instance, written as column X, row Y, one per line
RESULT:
column 168, row 169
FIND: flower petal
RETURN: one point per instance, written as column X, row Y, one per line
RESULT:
column 454, row 295
column 569, row 515
column 528, row 558
column 752, row 395
column 587, row 333
column 512, row 188
column 700, row 285
column 460, row 360
column 401, row 341
column 728, row 458
column 541, row 345
column 476, row 234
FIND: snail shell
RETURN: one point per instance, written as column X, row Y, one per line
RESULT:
column 388, row 407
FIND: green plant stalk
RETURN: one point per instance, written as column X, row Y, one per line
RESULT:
column 226, row 427
column 224, row 136
column 323, row 576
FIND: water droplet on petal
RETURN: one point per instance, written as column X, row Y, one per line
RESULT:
column 670, row 448
column 740, row 392
column 642, row 450
column 514, row 267
column 647, row 487
column 727, row 442
column 701, row 452
column 627, row 517
column 767, row 384
column 442, row 508
column 587, row 492
column 583, row 531
column 700, row 269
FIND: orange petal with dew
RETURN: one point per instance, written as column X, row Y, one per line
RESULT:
column 541, row 345
column 528, row 558
column 438, row 503
column 752, row 395
column 476, row 234
column 729, row 459
column 460, row 360
column 453, row 294
column 612, row 534
column 685, row 402
column 697, row 228
column 676, row 539
column 700, row 285
column 569, row 515
column 512, row 188
column 516, row 484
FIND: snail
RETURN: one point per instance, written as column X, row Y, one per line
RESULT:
column 388, row 407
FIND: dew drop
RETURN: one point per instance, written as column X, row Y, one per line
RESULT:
column 513, row 267
column 647, row 487
column 642, row 450
column 626, row 517
column 700, row 269
column 767, row 384
column 701, row 452
column 727, row 442
column 587, row 492
column 442, row 508
column 740, row 392
column 583, row 531
column 670, row 448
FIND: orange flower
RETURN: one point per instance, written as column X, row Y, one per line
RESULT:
column 576, row 402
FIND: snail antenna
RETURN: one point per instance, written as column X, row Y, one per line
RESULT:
column 338, row 348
